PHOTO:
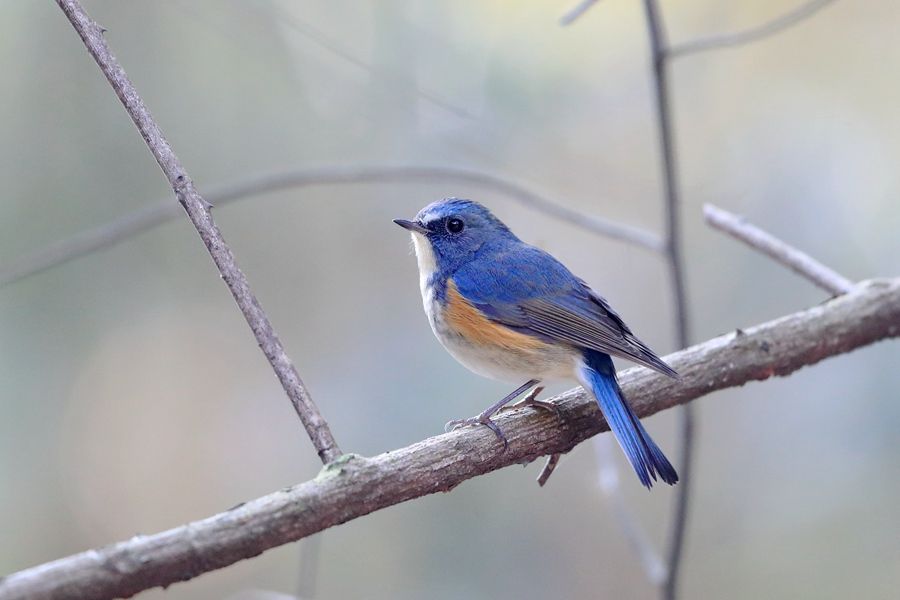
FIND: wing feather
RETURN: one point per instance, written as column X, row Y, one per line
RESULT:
column 590, row 324
column 532, row 292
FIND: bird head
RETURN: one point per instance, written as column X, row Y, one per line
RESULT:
column 448, row 232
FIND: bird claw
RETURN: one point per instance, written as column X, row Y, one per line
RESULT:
column 545, row 405
column 479, row 420
column 531, row 400
column 542, row 404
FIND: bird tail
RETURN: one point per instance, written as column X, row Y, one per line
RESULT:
column 598, row 374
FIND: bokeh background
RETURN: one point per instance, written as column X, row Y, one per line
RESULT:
column 133, row 397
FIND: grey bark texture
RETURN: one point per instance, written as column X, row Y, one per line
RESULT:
column 354, row 486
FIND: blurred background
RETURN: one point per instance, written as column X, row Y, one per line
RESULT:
column 133, row 397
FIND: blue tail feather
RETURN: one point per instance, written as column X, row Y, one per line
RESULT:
column 645, row 457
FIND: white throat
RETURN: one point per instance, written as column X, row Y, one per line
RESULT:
column 426, row 259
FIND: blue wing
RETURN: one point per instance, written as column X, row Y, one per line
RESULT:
column 527, row 289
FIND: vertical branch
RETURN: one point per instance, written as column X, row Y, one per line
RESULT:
column 658, row 49
column 198, row 210
column 310, row 552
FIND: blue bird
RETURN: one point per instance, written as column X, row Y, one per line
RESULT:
column 509, row 311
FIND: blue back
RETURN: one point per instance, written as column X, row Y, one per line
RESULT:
column 523, row 287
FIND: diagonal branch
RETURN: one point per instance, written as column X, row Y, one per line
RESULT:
column 198, row 211
column 152, row 216
column 609, row 483
column 576, row 11
column 753, row 34
column 354, row 486
column 779, row 251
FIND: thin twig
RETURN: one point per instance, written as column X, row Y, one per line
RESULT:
column 753, row 34
column 387, row 78
column 354, row 486
column 163, row 211
column 658, row 49
column 390, row 81
column 608, row 481
column 576, row 11
column 198, row 211
column 781, row 252
column 548, row 469
column 307, row 573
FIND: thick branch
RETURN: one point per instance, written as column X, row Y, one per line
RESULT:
column 779, row 251
column 355, row 486
column 198, row 211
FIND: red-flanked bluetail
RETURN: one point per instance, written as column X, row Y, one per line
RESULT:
column 510, row 311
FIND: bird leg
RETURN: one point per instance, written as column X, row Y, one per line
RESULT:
column 484, row 417
column 531, row 400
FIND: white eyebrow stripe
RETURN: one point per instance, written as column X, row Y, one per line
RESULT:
column 429, row 217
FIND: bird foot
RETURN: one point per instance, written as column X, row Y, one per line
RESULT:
column 482, row 419
column 531, row 400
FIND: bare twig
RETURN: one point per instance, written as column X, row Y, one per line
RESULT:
column 608, row 482
column 658, row 51
column 163, row 211
column 198, row 211
column 781, row 252
column 576, row 11
column 354, row 486
column 389, row 79
column 753, row 34
column 548, row 469
column 307, row 573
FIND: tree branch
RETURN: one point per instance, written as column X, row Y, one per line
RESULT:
column 779, row 251
column 197, row 210
column 609, row 482
column 152, row 216
column 753, row 34
column 576, row 11
column 354, row 486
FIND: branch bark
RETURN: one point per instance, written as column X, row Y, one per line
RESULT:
column 198, row 210
column 354, row 486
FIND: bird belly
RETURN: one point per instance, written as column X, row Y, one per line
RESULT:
column 490, row 349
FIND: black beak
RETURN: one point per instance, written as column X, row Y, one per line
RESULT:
column 411, row 225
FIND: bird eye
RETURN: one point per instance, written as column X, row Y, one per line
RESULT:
column 455, row 225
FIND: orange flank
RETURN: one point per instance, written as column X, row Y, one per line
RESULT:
column 467, row 321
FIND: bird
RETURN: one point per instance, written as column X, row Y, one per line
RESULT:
column 510, row 311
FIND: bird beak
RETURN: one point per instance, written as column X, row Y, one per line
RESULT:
column 411, row 225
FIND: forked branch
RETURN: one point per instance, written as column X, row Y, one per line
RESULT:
column 752, row 34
